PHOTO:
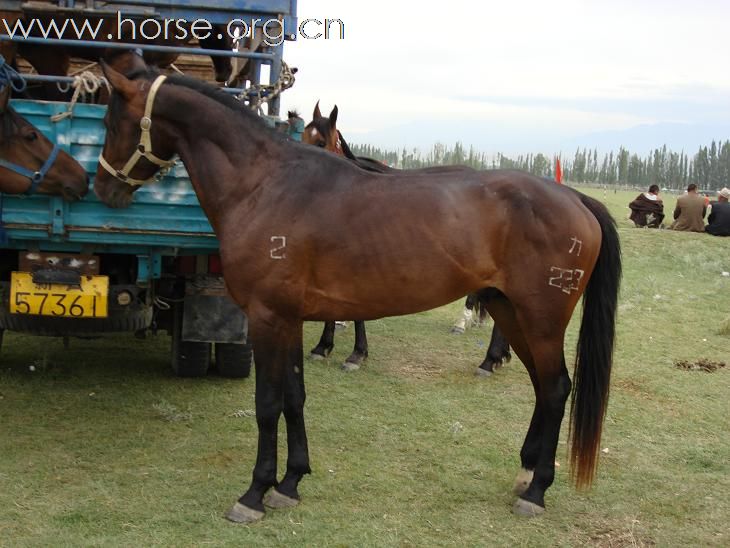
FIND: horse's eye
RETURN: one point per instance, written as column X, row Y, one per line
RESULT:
column 31, row 136
column 321, row 144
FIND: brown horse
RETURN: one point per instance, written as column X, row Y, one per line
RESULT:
column 322, row 132
column 29, row 162
column 530, row 249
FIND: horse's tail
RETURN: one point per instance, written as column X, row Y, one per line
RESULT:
column 595, row 350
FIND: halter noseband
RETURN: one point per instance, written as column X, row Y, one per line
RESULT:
column 36, row 177
column 144, row 148
column 9, row 76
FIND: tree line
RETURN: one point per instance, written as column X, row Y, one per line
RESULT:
column 709, row 167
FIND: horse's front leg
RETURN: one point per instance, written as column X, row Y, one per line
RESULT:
column 286, row 494
column 279, row 387
column 326, row 342
column 360, row 352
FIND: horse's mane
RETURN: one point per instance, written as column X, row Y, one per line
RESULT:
column 206, row 89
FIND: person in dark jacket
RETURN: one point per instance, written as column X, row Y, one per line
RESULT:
column 647, row 209
column 719, row 218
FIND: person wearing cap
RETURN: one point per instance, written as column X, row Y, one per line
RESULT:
column 719, row 219
column 690, row 211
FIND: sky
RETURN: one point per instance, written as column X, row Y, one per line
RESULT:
column 519, row 76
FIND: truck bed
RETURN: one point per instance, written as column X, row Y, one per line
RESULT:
column 166, row 217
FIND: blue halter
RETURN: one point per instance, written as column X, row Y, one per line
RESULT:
column 10, row 77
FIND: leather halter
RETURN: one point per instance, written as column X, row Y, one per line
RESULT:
column 144, row 148
column 36, row 177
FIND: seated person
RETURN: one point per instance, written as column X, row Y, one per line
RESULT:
column 648, row 209
column 719, row 218
column 690, row 211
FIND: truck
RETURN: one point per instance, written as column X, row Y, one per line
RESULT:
column 82, row 269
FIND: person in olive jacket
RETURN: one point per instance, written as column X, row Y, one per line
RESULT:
column 690, row 211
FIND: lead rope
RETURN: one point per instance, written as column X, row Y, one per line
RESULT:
column 85, row 83
column 259, row 94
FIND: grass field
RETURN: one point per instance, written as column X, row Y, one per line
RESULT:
column 101, row 446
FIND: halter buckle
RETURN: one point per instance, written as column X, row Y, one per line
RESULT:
column 145, row 123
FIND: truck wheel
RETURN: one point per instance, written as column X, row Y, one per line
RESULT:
column 189, row 358
column 234, row 360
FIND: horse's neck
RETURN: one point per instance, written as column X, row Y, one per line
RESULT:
column 224, row 153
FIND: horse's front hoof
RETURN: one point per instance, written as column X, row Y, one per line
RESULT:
column 316, row 357
column 349, row 366
column 522, row 481
column 527, row 509
column 457, row 330
column 482, row 372
column 274, row 499
column 243, row 514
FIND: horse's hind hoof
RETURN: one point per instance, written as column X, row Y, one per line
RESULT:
column 457, row 330
column 274, row 499
column 243, row 514
column 349, row 366
column 527, row 509
column 482, row 372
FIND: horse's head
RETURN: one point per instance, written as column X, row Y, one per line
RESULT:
column 30, row 163
column 322, row 131
column 127, row 160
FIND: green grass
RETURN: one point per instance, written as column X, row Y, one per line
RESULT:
column 102, row 446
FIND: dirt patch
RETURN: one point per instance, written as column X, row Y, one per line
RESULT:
column 700, row 365
column 620, row 539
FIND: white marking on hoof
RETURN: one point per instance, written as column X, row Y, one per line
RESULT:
column 349, row 366
column 243, row 514
column 316, row 357
column 522, row 481
column 456, row 330
column 274, row 499
column 527, row 509
column 482, row 372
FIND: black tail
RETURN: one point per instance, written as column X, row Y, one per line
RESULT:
column 595, row 350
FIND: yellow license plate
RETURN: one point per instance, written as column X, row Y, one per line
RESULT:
column 61, row 300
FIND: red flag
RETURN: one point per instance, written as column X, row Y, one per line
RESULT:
column 558, row 172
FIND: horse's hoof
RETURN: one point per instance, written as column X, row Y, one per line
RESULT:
column 274, row 499
column 482, row 372
column 339, row 326
column 349, row 366
column 527, row 509
column 457, row 330
column 522, row 481
column 316, row 357
column 243, row 514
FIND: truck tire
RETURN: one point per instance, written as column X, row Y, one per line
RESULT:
column 189, row 358
column 130, row 320
column 234, row 360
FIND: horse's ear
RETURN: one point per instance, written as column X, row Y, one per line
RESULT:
column 118, row 81
column 333, row 117
column 316, row 114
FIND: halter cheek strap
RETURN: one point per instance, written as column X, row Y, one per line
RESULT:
column 36, row 177
column 144, row 148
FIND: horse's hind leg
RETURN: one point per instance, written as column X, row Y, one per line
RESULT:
column 326, row 342
column 552, row 386
column 360, row 352
column 497, row 354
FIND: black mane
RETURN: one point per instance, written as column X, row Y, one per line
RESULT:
column 204, row 88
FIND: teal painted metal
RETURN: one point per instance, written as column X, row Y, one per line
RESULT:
column 167, row 214
column 165, row 219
